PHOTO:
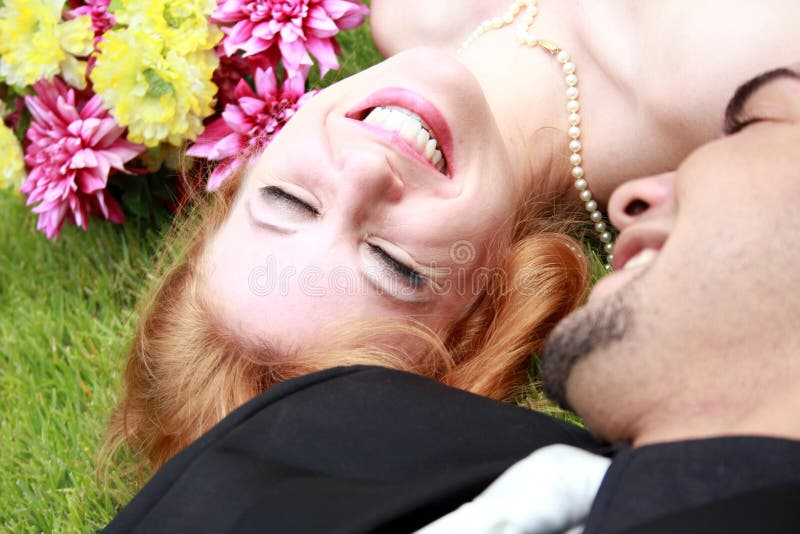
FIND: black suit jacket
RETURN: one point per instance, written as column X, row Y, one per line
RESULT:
column 367, row 449
column 357, row 449
column 725, row 484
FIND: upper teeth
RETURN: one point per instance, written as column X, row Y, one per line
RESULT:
column 642, row 258
column 412, row 128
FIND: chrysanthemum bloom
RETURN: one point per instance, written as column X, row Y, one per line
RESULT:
column 72, row 150
column 12, row 170
column 247, row 126
column 183, row 24
column 288, row 28
column 158, row 93
column 35, row 43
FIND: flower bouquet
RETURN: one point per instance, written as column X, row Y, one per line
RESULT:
column 99, row 97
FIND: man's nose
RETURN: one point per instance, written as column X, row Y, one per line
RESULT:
column 367, row 180
column 638, row 198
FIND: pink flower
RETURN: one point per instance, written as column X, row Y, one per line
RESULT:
column 73, row 147
column 288, row 28
column 247, row 126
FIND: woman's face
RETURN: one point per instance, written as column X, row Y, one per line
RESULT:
column 351, row 214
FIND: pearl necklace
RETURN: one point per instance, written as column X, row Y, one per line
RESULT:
column 573, row 106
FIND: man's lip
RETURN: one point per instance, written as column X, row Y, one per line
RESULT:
column 405, row 98
column 634, row 240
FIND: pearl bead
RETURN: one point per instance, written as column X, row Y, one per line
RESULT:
column 569, row 68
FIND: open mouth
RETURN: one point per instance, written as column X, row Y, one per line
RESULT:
column 411, row 121
column 412, row 129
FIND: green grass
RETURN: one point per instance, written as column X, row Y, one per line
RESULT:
column 66, row 317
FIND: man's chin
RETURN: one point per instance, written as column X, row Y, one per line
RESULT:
column 594, row 327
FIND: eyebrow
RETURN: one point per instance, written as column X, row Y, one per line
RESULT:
column 736, row 105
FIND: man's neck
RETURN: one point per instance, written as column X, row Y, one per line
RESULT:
column 773, row 414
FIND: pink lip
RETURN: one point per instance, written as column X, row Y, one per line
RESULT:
column 397, row 141
column 404, row 98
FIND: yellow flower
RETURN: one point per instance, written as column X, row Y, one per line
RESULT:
column 182, row 24
column 12, row 168
column 160, row 94
column 35, row 43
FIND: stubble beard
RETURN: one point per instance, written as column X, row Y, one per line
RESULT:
column 592, row 328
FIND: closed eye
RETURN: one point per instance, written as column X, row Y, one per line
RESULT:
column 278, row 196
column 412, row 277
column 736, row 118
column 737, row 124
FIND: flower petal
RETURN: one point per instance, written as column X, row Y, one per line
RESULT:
column 325, row 53
column 252, row 106
column 213, row 133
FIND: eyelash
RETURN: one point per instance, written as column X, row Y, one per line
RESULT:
column 414, row 278
column 277, row 194
column 740, row 123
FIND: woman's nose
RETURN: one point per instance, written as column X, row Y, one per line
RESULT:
column 368, row 179
column 638, row 198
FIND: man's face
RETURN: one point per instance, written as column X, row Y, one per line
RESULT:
column 706, row 263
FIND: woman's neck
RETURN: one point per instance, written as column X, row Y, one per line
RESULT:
column 441, row 23
column 525, row 86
